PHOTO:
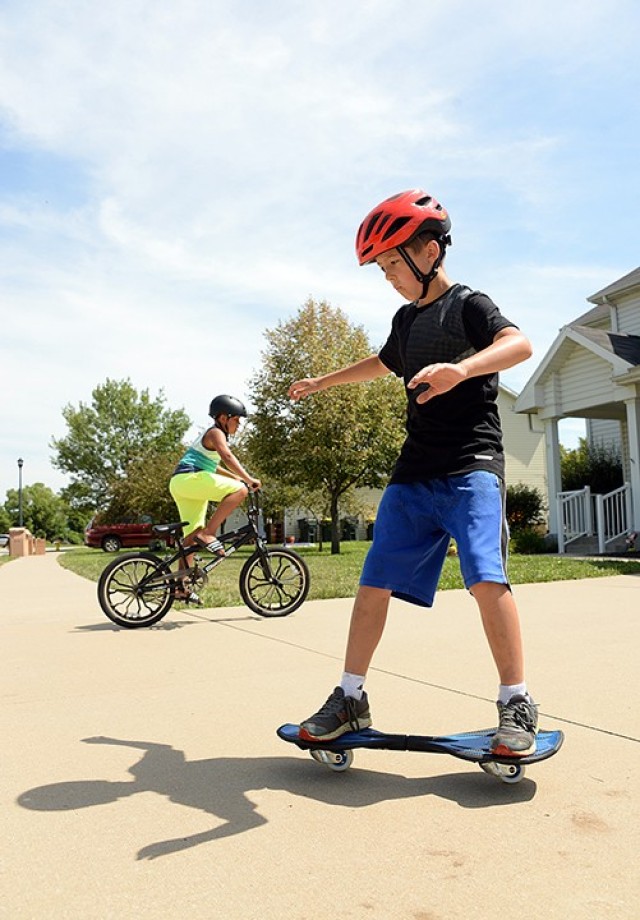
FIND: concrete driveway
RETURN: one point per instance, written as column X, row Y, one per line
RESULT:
column 142, row 776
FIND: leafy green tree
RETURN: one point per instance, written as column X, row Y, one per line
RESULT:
column 78, row 517
column 336, row 440
column 596, row 465
column 144, row 490
column 6, row 520
column 43, row 512
column 118, row 428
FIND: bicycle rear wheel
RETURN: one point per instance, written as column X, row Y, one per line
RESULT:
column 122, row 597
column 274, row 583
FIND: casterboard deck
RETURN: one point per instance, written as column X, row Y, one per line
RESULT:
column 473, row 746
column 469, row 746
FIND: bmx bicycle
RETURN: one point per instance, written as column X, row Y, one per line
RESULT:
column 138, row 589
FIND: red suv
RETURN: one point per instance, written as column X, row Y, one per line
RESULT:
column 112, row 537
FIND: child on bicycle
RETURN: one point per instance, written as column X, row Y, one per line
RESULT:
column 199, row 479
column 448, row 343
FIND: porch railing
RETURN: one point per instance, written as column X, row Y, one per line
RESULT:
column 613, row 514
column 582, row 514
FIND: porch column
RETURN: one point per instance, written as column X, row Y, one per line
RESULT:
column 554, row 478
column 633, row 431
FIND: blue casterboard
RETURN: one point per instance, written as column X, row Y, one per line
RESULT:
column 470, row 746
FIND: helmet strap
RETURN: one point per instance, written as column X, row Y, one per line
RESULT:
column 223, row 428
column 425, row 279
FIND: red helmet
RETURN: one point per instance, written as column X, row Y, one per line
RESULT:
column 397, row 220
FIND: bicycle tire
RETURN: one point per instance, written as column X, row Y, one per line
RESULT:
column 118, row 596
column 281, row 590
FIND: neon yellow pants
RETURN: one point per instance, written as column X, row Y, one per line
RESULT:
column 192, row 493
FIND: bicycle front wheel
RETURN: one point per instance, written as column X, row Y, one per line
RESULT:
column 128, row 602
column 274, row 583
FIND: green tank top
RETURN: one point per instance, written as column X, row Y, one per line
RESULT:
column 198, row 459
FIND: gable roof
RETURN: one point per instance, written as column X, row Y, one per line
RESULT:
column 630, row 280
column 619, row 350
column 594, row 315
column 620, row 344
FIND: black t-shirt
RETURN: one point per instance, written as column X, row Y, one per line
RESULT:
column 458, row 431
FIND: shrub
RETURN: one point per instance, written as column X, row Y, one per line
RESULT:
column 525, row 506
column 528, row 542
column 74, row 538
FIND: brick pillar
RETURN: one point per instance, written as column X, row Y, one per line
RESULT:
column 19, row 541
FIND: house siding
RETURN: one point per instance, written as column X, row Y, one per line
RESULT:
column 585, row 380
column 605, row 431
column 524, row 446
column 628, row 309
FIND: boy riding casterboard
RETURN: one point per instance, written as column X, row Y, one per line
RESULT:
column 448, row 343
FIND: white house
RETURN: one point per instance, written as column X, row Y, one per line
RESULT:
column 592, row 371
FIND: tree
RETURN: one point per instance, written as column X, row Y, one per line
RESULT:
column 105, row 438
column 43, row 512
column 336, row 440
column 6, row 520
column 145, row 488
column 596, row 465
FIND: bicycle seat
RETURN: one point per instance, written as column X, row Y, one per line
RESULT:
column 169, row 528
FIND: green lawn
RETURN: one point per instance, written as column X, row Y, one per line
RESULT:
column 337, row 576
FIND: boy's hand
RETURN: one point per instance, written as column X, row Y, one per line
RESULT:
column 305, row 387
column 254, row 484
column 439, row 378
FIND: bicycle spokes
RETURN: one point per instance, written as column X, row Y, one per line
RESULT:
column 131, row 593
column 274, row 583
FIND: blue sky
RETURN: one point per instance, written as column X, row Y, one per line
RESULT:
column 176, row 178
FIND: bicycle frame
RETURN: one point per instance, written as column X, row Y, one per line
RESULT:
column 248, row 533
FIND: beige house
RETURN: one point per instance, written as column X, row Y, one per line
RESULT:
column 524, row 445
column 592, row 371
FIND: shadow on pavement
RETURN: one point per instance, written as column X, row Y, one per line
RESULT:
column 219, row 787
column 108, row 626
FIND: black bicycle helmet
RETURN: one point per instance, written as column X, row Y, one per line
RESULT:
column 228, row 405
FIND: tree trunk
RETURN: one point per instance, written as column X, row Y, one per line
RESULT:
column 335, row 526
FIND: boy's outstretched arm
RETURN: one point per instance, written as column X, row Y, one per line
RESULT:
column 367, row 369
column 508, row 348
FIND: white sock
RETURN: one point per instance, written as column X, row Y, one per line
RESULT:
column 506, row 691
column 352, row 684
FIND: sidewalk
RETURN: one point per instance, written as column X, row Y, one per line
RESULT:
column 142, row 777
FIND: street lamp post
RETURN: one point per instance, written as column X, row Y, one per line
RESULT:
column 20, row 465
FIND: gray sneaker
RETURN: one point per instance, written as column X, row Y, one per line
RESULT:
column 516, row 734
column 339, row 714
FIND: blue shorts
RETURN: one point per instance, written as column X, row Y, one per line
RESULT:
column 413, row 527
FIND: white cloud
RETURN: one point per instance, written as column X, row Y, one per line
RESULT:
column 224, row 153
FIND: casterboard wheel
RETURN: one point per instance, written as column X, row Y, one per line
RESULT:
column 505, row 772
column 335, row 760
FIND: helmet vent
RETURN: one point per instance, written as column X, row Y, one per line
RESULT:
column 395, row 227
column 368, row 230
column 423, row 202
